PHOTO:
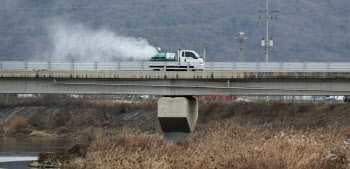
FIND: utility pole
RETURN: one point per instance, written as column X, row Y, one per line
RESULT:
column 241, row 39
column 267, row 42
column 69, row 58
column 204, row 51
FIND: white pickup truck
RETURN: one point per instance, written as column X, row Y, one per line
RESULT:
column 184, row 60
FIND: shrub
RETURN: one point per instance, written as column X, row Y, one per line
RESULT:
column 13, row 125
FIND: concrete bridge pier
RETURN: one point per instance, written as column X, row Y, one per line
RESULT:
column 177, row 117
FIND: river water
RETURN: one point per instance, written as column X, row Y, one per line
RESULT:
column 17, row 153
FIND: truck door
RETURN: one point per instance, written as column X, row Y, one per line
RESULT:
column 182, row 56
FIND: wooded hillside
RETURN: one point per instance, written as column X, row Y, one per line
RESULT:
column 306, row 30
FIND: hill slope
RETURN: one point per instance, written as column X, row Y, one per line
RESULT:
column 306, row 30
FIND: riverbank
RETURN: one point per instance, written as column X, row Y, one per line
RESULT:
column 235, row 135
column 18, row 152
column 62, row 116
column 228, row 135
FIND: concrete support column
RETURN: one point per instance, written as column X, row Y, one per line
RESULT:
column 177, row 116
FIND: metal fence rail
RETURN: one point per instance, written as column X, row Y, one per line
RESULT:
column 169, row 66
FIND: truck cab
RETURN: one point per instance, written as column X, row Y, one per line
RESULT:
column 189, row 56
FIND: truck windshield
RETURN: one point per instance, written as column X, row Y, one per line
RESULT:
column 191, row 55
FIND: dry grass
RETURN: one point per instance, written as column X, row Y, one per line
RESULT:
column 13, row 125
column 45, row 134
column 228, row 135
column 277, row 115
column 223, row 145
column 236, row 135
column 62, row 114
column 60, row 111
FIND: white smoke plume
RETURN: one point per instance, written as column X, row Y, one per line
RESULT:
column 85, row 44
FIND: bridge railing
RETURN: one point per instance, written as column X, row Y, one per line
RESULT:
column 168, row 66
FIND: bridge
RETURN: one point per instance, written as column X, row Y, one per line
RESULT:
column 179, row 110
column 218, row 78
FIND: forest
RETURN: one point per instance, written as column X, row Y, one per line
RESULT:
column 303, row 31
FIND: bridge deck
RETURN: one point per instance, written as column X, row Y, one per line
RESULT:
column 173, row 75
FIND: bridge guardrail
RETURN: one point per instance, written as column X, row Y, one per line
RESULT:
column 168, row 66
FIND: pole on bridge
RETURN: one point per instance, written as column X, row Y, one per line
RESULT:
column 72, row 65
column 204, row 51
column 241, row 39
column 48, row 65
column 267, row 42
column 142, row 64
column 234, row 66
column 118, row 65
column 25, row 65
column 328, row 66
column 281, row 66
